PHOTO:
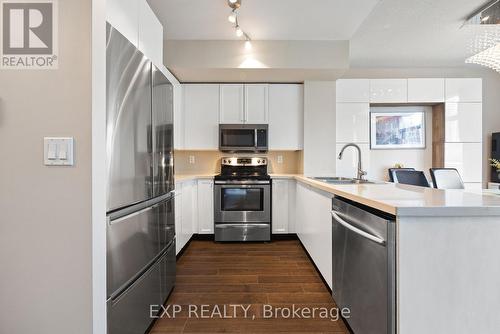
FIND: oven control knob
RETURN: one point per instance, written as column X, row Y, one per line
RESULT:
column 258, row 161
column 224, row 161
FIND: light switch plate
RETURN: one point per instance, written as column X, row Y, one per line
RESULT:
column 58, row 151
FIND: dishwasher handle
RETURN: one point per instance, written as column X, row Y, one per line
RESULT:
column 378, row 240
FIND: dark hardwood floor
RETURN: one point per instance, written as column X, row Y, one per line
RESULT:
column 256, row 275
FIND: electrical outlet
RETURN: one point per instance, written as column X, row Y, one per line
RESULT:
column 192, row 160
column 280, row 159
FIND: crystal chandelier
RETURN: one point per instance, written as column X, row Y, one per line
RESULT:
column 484, row 27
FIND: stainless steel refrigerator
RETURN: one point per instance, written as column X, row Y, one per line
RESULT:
column 140, row 187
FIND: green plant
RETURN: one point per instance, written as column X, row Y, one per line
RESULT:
column 495, row 164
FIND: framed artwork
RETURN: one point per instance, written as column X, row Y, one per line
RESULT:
column 397, row 130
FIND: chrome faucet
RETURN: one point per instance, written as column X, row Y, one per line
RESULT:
column 361, row 172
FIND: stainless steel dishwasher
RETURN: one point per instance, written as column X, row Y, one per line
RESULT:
column 364, row 266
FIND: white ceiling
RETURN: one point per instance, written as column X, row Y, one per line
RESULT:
column 409, row 33
column 382, row 33
column 263, row 19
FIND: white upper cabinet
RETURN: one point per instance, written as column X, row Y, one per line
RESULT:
column 205, row 206
column 244, row 104
column 353, row 122
column 286, row 117
column 353, row 90
column 150, row 34
column 256, row 104
column 232, row 104
column 122, row 15
column 201, row 116
column 464, row 122
column 426, row 90
column 464, row 90
column 388, row 90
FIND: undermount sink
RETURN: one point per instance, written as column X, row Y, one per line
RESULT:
column 340, row 180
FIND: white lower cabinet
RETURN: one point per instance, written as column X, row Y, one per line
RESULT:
column 194, row 209
column 186, row 208
column 180, row 239
column 283, row 206
column 205, row 206
column 314, row 226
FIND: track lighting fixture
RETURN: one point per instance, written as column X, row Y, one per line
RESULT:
column 233, row 18
column 239, row 32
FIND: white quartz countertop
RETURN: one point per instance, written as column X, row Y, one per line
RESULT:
column 188, row 177
column 406, row 200
column 400, row 199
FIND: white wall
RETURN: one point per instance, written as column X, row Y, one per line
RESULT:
column 45, row 212
column 491, row 97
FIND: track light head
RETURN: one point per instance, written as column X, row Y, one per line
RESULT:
column 232, row 17
column 239, row 32
column 234, row 4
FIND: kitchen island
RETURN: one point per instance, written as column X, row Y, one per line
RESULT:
column 447, row 246
column 447, row 243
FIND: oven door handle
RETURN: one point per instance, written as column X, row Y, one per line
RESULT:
column 257, row 225
column 256, row 139
column 243, row 184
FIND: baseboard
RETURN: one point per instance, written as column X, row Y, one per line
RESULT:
column 203, row 237
column 288, row 236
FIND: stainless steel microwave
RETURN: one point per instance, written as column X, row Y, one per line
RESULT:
column 243, row 137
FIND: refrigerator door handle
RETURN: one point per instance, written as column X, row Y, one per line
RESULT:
column 136, row 213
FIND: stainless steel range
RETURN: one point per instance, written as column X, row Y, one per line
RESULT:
column 243, row 200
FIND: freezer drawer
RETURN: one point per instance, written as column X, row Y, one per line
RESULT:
column 243, row 232
column 166, row 218
column 167, row 267
column 128, row 123
column 132, row 243
column 129, row 313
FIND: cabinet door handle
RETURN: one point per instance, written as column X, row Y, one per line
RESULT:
column 356, row 230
